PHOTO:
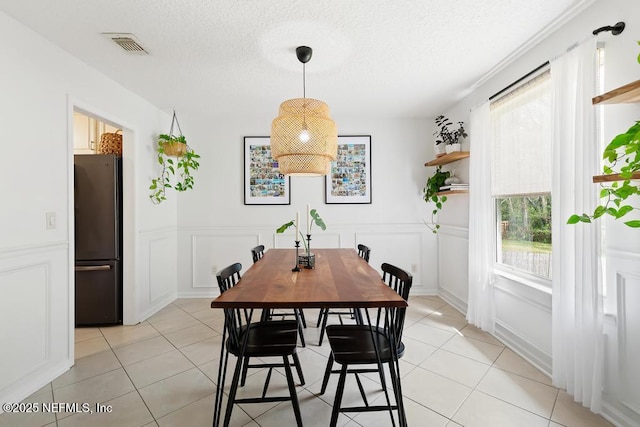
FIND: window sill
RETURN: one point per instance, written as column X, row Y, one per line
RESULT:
column 538, row 283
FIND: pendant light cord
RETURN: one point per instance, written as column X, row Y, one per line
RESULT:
column 304, row 80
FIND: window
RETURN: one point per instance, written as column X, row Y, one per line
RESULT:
column 521, row 176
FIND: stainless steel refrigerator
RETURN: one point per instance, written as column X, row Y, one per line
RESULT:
column 98, row 239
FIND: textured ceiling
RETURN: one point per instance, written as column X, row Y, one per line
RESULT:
column 374, row 58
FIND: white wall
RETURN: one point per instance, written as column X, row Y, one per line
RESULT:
column 40, row 86
column 524, row 312
column 217, row 229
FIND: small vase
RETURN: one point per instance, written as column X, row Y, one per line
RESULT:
column 439, row 150
column 307, row 260
column 452, row 148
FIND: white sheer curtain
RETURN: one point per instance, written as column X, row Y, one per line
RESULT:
column 577, row 283
column 482, row 225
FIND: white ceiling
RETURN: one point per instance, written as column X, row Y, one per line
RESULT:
column 374, row 58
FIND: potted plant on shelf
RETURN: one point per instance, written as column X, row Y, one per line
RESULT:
column 430, row 194
column 448, row 137
column 307, row 260
column 176, row 173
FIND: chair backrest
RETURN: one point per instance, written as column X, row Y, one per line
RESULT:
column 364, row 252
column 400, row 281
column 257, row 252
column 228, row 277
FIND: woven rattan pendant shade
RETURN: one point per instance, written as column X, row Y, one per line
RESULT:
column 299, row 156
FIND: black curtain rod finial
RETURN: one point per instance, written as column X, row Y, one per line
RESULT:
column 615, row 30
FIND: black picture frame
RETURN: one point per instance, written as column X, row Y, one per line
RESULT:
column 349, row 181
column 263, row 182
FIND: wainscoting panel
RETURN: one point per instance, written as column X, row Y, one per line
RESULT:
column 523, row 321
column 35, row 292
column 156, row 284
column 213, row 252
column 629, row 338
column 453, row 265
column 208, row 249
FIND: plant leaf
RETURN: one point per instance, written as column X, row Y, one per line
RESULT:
column 636, row 222
column 573, row 219
column 284, row 227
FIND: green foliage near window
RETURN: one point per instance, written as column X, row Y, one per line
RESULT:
column 431, row 188
column 180, row 167
column 622, row 156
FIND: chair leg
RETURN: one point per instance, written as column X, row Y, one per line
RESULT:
column 338, row 401
column 296, row 363
column 245, row 368
column 266, row 383
column 361, row 388
column 324, row 325
column 292, row 391
column 232, row 391
column 300, row 331
column 320, row 315
column 301, row 314
column 327, row 373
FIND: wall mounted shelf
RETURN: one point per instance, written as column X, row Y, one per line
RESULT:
column 628, row 93
column 451, row 192
column 448, row 158
column 613, row 177
column 624, row 94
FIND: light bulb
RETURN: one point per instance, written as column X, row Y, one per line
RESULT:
column 304, row 134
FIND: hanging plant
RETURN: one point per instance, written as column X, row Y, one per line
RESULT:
column 430, row 193
column 178, row 161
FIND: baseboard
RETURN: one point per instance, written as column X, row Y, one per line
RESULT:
column 453, row 301
column 159, row 305
column 25, row 388
column 524, row 348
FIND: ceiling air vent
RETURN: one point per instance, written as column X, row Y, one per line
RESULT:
column 127, row 42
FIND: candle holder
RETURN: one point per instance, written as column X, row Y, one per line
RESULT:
column 297, row 267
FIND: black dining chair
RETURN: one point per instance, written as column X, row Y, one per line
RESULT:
column 354, row 345
column 246, row 340
column 256, row 254
column 363, row 252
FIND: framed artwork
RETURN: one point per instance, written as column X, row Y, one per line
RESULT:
column 350, row 178
column 263, row 182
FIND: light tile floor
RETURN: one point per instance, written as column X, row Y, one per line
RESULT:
column 162, row 372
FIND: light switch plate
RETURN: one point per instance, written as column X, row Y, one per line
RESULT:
column 51, row 220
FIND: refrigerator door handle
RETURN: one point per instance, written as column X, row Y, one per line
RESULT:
column 94, row 268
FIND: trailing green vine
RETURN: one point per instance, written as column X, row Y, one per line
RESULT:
column 431, row 188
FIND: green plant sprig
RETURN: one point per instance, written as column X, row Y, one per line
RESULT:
column 315, row 219
column 625, row 149
column 431, row 188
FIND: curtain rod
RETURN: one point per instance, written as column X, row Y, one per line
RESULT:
column 530, row 73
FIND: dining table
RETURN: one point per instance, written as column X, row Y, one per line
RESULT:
column 339, row 279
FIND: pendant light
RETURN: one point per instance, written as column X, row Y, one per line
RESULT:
column 304, row 139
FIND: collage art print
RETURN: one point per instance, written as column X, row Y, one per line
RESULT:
column 264, row 184
column 350, row 177
column 266, row 179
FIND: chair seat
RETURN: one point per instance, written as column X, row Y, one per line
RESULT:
column 267, row 339
column 352, row 344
